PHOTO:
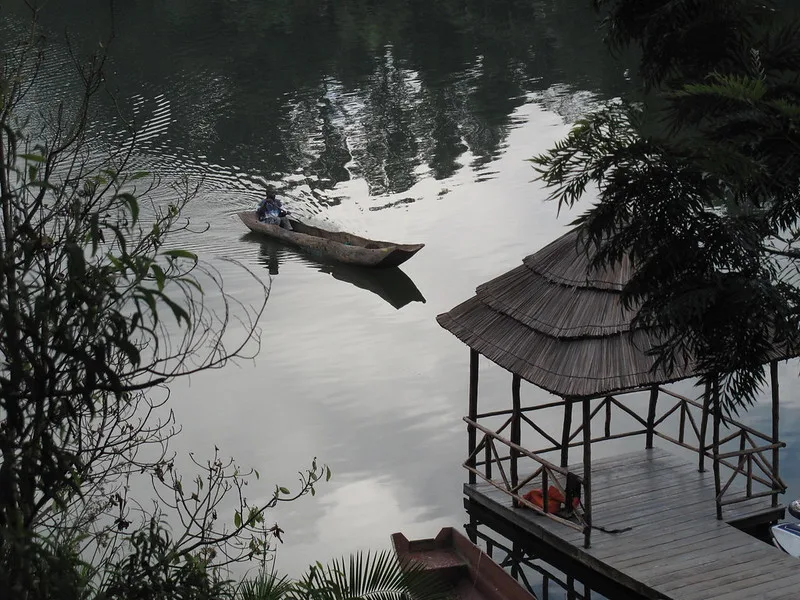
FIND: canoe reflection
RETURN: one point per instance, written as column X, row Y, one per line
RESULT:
column 391, row 284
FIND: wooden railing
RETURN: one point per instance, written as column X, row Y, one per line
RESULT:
column 744, row 460
column 499, row 466
column 751, row 459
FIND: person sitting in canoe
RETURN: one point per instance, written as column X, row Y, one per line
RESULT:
column 271, row 212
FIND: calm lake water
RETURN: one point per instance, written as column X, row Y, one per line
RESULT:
column 408, row 120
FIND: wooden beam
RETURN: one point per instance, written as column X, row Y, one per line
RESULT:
column 516, row 552
column 472, row 434
column 776, row 434
column 515, row 427
column 717, row 416
column 701, row 466
column 565, row 434
column 488, row 457
column 587, row 472
column 729, row 422
column 651, row 417
column 522, row 451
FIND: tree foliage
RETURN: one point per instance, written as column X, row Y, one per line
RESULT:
column 684, row 39
column 361, row 576
column 99, row 314
column 698, row 181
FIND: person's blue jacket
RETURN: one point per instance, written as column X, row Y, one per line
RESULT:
column 270, row 205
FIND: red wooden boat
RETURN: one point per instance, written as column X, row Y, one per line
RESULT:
column 470, row 573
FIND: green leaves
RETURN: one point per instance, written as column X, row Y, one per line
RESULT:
column 265, row 586
column 151, row 298
column 88, row 354
column 180, row 313
column 160, row 276
column 698, row 184
column 683, row 38
column 739, row 88
column 132, row 203
column 130, row 350
column 177, row 253
column 76, row 261
column 594, row 144
column 370, row 576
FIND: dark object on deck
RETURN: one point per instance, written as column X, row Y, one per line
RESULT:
column 335, row 245
column 465, row 567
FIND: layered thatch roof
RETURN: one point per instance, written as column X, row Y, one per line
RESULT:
column 560, row 324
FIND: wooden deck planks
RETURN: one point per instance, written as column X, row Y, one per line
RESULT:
column 677, row 549
column 720, row 581
column 704, row 571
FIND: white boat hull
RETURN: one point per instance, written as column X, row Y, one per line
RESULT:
column 786, row 536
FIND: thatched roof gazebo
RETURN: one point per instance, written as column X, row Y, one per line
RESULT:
column 559, row 324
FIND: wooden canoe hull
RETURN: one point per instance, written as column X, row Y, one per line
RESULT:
column 391, row 284
column 335, row 245
column 471, row 574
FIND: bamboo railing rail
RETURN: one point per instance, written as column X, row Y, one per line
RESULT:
column 507, row 480
column 744, row 459
column 751, row 463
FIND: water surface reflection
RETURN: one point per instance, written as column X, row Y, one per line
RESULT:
column 322, row 93
column 401, row 119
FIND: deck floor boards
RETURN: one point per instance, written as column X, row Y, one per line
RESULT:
column 676, row 549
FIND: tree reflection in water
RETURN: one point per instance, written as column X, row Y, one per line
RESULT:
column 389, row 92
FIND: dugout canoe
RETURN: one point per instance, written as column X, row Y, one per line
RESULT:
column 391, row 284
column 335, row 245
column 466, row 569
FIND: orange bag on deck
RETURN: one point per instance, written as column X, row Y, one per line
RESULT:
column 555, row 499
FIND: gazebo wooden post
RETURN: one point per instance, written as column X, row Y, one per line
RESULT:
column 587, row 472
column 515, row 430
column 651, row 417
column 566, row 433
column 472, row 433
column 717, row 418
column 472, row 530
column 773, row 373
column 516, row 558
column 701, row 464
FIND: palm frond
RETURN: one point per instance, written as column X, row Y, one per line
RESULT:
column 265, row 586
column 370, row 576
